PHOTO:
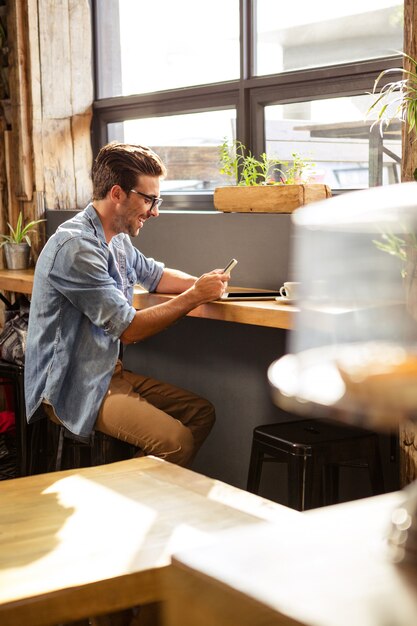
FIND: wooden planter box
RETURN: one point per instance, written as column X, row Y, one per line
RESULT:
column 268, row 198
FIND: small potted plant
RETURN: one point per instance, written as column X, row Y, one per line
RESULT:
column 397, row 99
column 265, row 185
column 17, row 244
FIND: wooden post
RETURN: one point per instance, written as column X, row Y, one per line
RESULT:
column 47, row 148
column 18, row 142
column 408, row 430
column 409, row 145
column 18, row 59
column 3, row 181
column 51, row 88
column 63, row 113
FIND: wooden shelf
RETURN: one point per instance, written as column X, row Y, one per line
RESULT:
column 20, row 281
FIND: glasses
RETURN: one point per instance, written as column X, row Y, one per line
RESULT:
column 155, row 202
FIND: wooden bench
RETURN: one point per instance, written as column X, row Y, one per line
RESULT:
column 84, row 542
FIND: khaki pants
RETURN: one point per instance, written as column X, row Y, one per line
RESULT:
column 166, row 421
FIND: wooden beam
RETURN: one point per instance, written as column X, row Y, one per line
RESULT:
column 64, row 110
column 22, row 144
column 408, row 430
column 409, row 149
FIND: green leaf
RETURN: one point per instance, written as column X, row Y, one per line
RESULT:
column 20, row 232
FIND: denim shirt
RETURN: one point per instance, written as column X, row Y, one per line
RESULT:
column 81, row 303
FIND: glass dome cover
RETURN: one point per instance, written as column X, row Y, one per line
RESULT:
column 353, row 351
column 354, row 345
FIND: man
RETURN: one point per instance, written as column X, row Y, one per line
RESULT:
column 81, row 310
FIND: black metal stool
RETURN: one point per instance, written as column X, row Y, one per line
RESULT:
column 30, row 439
column 99, row 449
column 314, row 450
column 13, row 375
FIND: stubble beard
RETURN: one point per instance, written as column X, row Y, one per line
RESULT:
column 121, row 225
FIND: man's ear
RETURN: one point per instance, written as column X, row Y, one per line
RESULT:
column 117, row 194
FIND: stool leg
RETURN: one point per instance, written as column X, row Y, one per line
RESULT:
column 331, row 484
column 37, row 435
column 104, row 450
column 304, row 482
column 76, row 455
column 20, row 417
column 98, row 445
column 297, row 471
column 376, row 474
column 59, row 450
column 255, row 469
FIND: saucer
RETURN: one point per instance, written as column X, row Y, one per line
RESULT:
column 285, row 300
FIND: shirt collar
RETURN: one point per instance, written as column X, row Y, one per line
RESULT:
column 95, row 221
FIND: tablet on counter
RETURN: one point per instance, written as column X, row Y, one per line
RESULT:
column 250, row 295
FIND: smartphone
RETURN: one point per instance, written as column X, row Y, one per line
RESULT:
column 230, row 266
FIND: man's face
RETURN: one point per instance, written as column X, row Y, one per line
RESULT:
column 133, row 212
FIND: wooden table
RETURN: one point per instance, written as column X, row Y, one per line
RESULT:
column 328, row 567
column 88, row 541
column 268, row 313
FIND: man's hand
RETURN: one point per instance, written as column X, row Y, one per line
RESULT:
column 148, row 322
column 210, row 286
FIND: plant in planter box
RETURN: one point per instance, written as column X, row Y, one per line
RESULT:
column 265, row 184
column 17, row 244
column 238, row 163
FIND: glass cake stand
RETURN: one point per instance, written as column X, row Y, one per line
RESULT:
column 364, row 383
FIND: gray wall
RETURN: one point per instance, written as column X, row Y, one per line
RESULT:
column 198, row 242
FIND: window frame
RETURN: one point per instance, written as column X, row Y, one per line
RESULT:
column 249, row 94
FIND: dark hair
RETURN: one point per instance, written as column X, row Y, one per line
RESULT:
column 121, row 164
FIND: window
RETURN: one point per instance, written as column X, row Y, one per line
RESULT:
column 165, row 44
column 324, row 33
column 188, row 145
column 284, row 81
column 336, row 136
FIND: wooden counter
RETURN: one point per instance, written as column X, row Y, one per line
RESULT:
column 20, row 281
column 259, row 313
column 78, row 543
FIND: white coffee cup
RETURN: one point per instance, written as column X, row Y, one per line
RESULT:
column 290, row 290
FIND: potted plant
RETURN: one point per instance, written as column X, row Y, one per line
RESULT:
column 265, row 185
column 396, row 99
column 17, row 244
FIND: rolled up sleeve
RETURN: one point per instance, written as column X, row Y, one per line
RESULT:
column 79, row 272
